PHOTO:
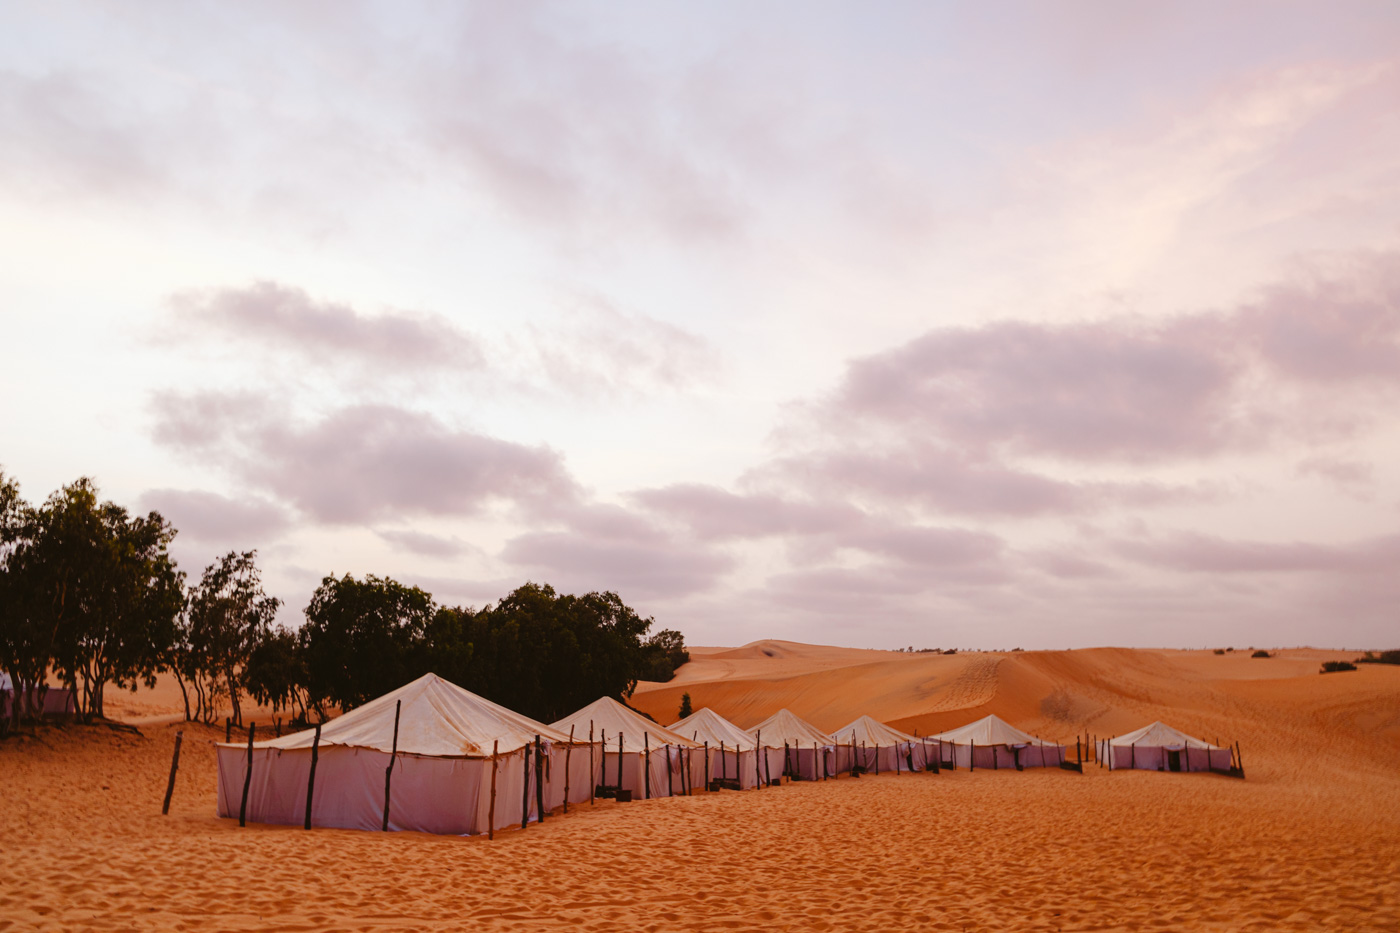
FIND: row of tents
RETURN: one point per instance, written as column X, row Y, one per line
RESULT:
column 433, row 757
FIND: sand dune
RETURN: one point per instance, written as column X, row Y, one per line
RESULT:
column 1311, row 840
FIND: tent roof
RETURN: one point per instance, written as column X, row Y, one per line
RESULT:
column 608, row 715
column 785, row 726
column 437, row 719
column 705, row 725
column 1160, row 735
column 870, row 731
column 993, row 730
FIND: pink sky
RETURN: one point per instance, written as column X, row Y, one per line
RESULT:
column 932, row 325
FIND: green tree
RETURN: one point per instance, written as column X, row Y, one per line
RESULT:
column 229, row 614
column 685, row 706
column 276, row 672
column 363, row 639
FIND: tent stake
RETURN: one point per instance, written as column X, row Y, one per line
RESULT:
column 389, row 771
column 568, row 751
column 311, row 778
column 491, row 810
column 174, row 766
column 247, row 780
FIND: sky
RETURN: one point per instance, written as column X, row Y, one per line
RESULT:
column 976, row 325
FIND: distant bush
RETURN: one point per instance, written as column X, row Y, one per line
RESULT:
column 1261, row 653
column 951, row 651
column 1229, row 650
column 1219, row 650
column 1329, row 667
column 1385, row 657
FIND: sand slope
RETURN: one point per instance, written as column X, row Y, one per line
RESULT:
column 1310, row 841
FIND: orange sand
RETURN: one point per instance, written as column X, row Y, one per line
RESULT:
column 1311, row 840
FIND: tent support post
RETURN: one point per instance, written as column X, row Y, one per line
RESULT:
column 389, row 771
column 707, row 764
column 247, row 779
column 758, row 758
column 568, row 753
column 174, row 766
column 311, row 778
column 491, row 810
column 646, row 765
column 539, row 778
column 619, row 761
column 592, row 784
column 525, row 791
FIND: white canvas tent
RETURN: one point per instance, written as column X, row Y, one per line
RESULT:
column 876, row 747
column 733, row 752
column 994, row 743
column 809, row 751
column 651, row 754
column 1159, row 747
column 442, row 768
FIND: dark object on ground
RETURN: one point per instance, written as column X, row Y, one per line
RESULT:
column 1261, row 653
column 1329, row 667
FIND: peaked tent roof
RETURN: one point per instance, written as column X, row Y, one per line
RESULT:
column 993, row 730
column 785, row 726
column 1160, row 735
column 705, row 725
column 437, row 719
column 870, row 731
column 608, row 715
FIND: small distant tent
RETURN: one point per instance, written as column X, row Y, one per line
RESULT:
column 876, row 747
column 994, row 743
column 733, row 752
column 651, row 754
column 795, row 747
column 1159, row 747
column 442, row 766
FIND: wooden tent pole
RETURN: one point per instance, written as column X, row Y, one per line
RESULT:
column 525, row 791
column 707, row 765
column 389, row 771
column 619, row 760
column 568, row 753
column 247, row 779
column 758, row 758
column 592, row 782
column 646, row 765
column 491, row 810
column 311, row 778
column 539, row 778
column 971, row 754
column 174, row 766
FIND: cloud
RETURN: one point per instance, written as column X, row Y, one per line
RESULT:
column 422, row 543
column 287, row 319
column 1123, row 389
column 600, row 349
column 713, row 513
column 648, row 568
column 1194, row 552
column 361, row 463
column 244, row 522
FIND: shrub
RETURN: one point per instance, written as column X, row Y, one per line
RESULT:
column 1329, row 667
column 1219, row 650
column 1261, row 653
column 1386, row 657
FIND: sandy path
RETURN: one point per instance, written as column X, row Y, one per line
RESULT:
column 1310, row 841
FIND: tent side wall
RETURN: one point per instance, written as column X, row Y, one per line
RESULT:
column 433, row 795
column 1155, row 758
column 996, row 757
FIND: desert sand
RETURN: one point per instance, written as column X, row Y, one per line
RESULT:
column 1310, row 840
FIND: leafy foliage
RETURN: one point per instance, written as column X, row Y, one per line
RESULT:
column 1329, row 667
column 1385, row 657
column 1261, row 653
column 685, row 707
